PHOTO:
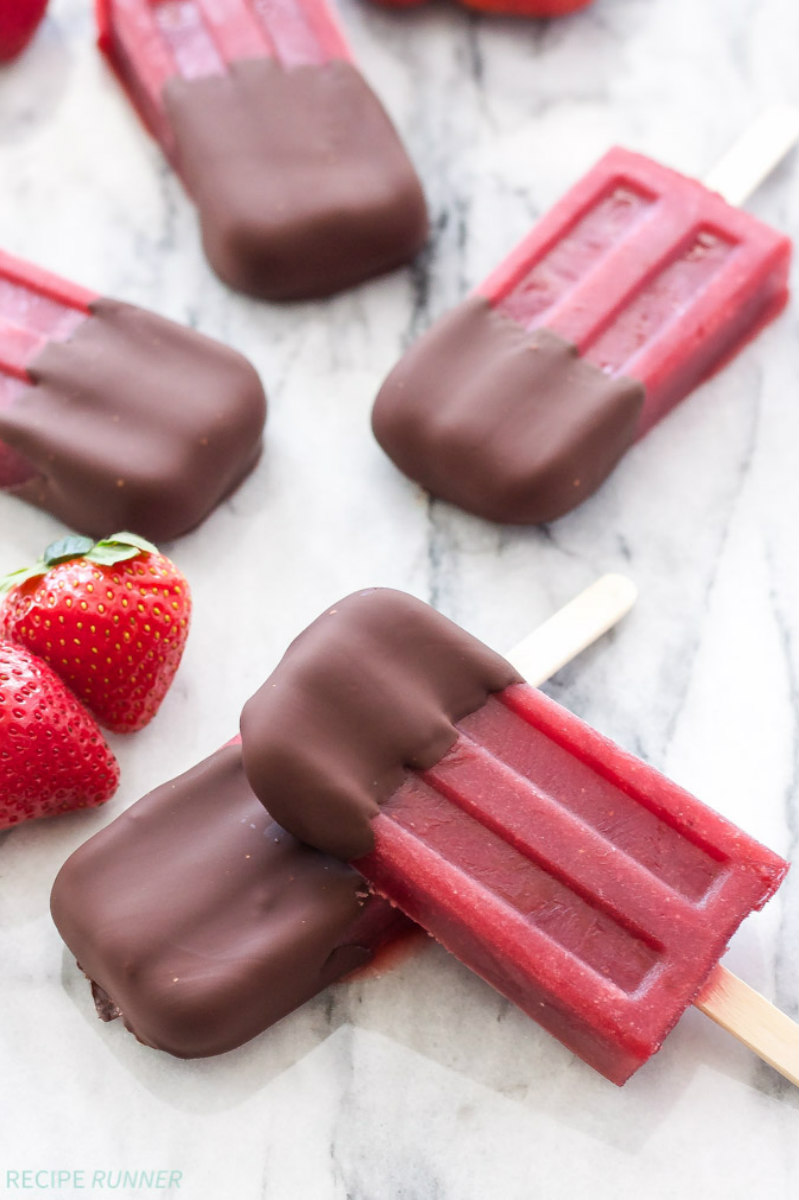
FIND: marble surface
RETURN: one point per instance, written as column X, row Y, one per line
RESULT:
column 422, row 1084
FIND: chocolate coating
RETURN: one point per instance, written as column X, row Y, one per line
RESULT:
column 509, row 425
column 373, row 687
column 135, row 423
column 302, row 185
column 201, row 922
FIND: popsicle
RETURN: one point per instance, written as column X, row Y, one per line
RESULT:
column 638, row 285
column 201, row 922
column 114, row 418
column 577, row 880
column 302, row 185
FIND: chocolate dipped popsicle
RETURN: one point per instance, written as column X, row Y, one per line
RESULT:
column 201, row 922
column 113, row 417
column 638, row 285
column 578, row 881
column 301, row 183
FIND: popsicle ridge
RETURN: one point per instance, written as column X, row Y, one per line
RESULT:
column 513, row 872
column 189, row 38
column 574, row 804
column 373, row 687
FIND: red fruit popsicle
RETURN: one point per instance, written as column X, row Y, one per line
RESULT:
column 636, row 286
column 301, row 183
column 113, row 417
column 578, row 881
column 239, row 923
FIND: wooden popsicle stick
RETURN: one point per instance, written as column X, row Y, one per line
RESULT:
column 753, row 1020
column 573, row 628
column 755, row 154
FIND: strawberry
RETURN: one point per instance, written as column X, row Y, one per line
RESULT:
column 527, row 8
column 52, row 755
column 110, row 617
column 506, row 8
column 19, row 20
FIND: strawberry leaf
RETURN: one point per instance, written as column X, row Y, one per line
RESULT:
column 119, row 547
column 130, row 539
column 65, row 549
column 106, row 555
column 15, row 578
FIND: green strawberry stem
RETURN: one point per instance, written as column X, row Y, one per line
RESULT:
column 106, row 552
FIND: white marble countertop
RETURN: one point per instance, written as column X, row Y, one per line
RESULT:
column 422, row 1084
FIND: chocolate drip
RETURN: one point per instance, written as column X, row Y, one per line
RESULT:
column 371, row 688
column 135, row 423
column 510, row 425
column 302, row 184
column 201, row 922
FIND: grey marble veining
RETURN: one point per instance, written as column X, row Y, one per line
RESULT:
column 421, row 1083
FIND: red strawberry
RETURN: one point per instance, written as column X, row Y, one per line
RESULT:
column 19, row 20
column 52, row 755
column 527, row 8
column 507, row 8
column 110, row 617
